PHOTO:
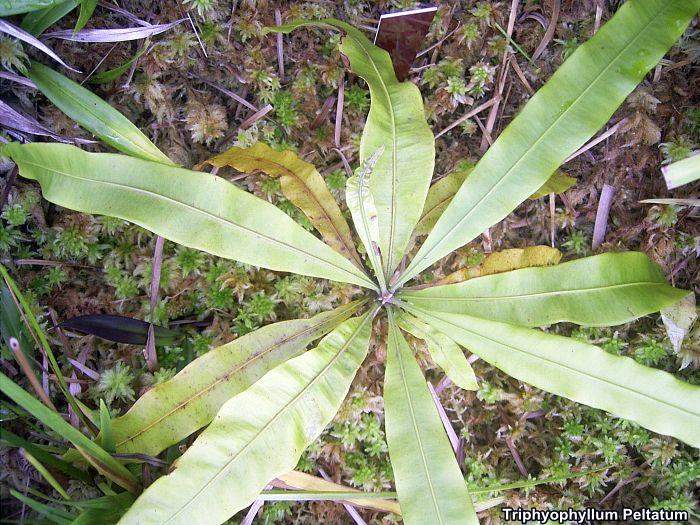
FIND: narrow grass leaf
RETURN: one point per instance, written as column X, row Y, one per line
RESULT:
column 17, row 7
column 87, row 7
column 21, row 34
column 94, row 114
column 39, row 21
column 119, row 329
column 113, row 35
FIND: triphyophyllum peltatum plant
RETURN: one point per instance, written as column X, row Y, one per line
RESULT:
column 262, row 396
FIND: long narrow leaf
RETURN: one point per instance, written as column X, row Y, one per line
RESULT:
column 581, row 372
column 119, row 329
column 604, row 290
column 173, row 410
column 94, row 114
column 302, row 185
column 113, row 35
column 429, row 484
column 37, row 22
column 396, row 122
column 54, row 421
column 194, row 209
column 258, row 434
column 87, row 7
column 682, row 172
column 575, row 103
column 12, row 30
column 17, row 7
column 439, row 196
column 444, row 351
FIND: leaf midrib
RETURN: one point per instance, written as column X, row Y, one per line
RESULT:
column 277, row 415
column 540, row 138
column 225, row 376
column 557, row 363
column 477, row 298
column 248, row 231
column 392, row 225
column 415, row 426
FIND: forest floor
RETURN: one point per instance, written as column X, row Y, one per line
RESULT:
column 178, row 93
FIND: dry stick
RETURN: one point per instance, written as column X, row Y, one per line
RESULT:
column 344, row 160
column 618, row 486
column 551, row 28
column 230, row 24
column 598, row 17
column 491, row 120
column 23, row 363
column 484, row 130
column 339, row 111
column 521, row 76
column 596, row 140
column 451, row 434
column 516, row 456
column 150, row 351
column 348, row 507
column 323, row 112
column 98, row 64
column 552, row 219
column 470, row 114
column 228, row 93
column 256, row 116
column 280, row 49
column 438, row 43
column 601, row 216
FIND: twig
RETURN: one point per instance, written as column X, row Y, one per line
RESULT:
column 551, row 28
column 280, row 48
column 601, row 216
column 344, row 160
column 596, row 140
column 197, row 35
column 323, row 112
column 451, row 434
column 23, row 363
column 98, row 64
column 521, row 76
column 552, row 219
column 516, row 456
column 151, row 355
column 598, row 17
column 470, row 114
column 255, row 117
column 228, row 93
column 339, row 111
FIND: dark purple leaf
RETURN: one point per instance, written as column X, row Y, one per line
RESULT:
column 402, row 35
column 119, row 329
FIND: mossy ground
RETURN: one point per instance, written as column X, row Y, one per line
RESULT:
column 74, row 264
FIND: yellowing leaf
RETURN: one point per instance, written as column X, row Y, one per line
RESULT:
column 505, row 261
column 302, row 185
column 558, row 183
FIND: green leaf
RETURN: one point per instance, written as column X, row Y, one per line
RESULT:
column 94, row 114
column 110, row 509
column 171, row 411
column 445, row 352
column 258, row 434
column 41, row 469
column 439, row 196
column 575, row 103
column 397, row 123
column 682, row 172
column 87, row 7
column 581, row 372
column 604, row 290
column 364, row 214
column 104, row 77
column 558, row 183
column 106, row 436
column 16, row 7
column 54, row 515
column 429, row 484
column 302, row 185
column 194, row 209
column 100, row 458
column 37, row 22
